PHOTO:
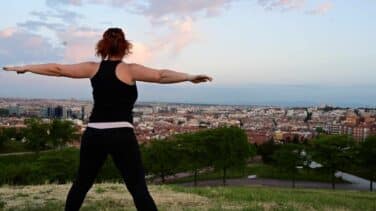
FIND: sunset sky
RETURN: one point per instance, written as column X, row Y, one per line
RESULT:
column 283, row 52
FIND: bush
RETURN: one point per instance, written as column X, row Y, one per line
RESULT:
column 48, row 167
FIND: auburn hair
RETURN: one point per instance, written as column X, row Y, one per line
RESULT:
column 113, row 43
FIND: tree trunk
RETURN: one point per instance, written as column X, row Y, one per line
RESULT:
column 195, row 177
column 224, row 176
column 370, row 185
column 333, row 180
column 163, row 177
column 293, row 180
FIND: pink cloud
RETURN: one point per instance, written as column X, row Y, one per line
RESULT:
column 79, row 43
column 7, row 32
column 321, row 9
column 80, row 46
column 141, row 53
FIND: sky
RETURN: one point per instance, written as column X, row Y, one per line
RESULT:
column 259, row 52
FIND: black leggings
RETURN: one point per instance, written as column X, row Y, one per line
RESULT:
column 122, row 145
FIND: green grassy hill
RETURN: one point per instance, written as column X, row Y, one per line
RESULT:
column 112, row 196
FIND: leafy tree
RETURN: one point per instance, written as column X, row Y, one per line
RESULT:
column 295, row 139
column 367, row 159
column 194, row 151
column 36, row 134
column 61, row 132
column 266, row 150
column 308, row 118
column 288, row 157
column 161, row 158
column 229, row 148
column 3, row 138
column 333, row 152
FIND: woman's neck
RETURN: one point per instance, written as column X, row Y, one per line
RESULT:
column 114, row 58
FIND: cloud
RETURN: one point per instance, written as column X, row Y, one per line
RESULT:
column 321, row 9
column 7, row 32
column 57, row 3
column 20, row 46
column 63, row 15
column 31, row 25
column 191, row 8
column 180, row 34
column 283, row 5
column 79, row 43
column 114, row 3
column 172, row 20
column 141, row 53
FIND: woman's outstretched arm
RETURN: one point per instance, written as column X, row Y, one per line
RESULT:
column 147, row 74
column 80, row 70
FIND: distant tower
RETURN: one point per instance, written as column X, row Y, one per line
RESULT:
column 58, row 112
column 82, row 113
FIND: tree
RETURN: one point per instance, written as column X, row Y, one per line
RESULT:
column 229, row 147
column 3, row 138
column 36, row 133
column 288, row 157
column 161, row 158
column 367, row 159
column 61, row 132
column 308, row 118
column 194, row 151
column 333, row 152
column 266, row 150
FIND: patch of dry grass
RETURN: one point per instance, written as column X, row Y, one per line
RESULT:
column 114, row 196
column 105, row 196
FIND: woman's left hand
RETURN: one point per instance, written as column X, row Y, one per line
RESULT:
column 18, row 69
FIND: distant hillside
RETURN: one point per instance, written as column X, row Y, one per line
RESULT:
column 111, row 196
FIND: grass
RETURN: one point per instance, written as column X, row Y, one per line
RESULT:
column 263, row 171
column 114, row 196
column 13, row 146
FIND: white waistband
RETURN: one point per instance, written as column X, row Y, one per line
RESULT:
column 106, row 125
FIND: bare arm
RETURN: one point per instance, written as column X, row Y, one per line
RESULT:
column 147, row 74
column 79, row 70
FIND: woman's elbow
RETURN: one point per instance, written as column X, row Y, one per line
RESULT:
column 159, row 77
column 57, row 70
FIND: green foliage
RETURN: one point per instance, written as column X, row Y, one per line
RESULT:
column 367, row 159
column 57, row 168
column 223, row 148
column 288, row 157
column 333, row 152
column 161, row 158
column 61, row 132
column 8, row 134
column 193, row 149
column 48, row 167
column 229, row 147
column 267, row 150
column 42, row 135
column 36, row 134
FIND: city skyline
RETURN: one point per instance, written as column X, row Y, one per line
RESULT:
column 258, row 52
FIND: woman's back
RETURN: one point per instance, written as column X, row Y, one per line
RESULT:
column 113, row 98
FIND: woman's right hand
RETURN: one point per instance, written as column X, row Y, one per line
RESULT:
column 199, row 78
column 18, row 69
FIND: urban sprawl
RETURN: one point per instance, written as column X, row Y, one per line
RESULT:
column 160, row 120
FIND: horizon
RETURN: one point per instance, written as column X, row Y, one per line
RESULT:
column 275, row 52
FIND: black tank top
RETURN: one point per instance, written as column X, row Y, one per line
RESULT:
column 113, row 99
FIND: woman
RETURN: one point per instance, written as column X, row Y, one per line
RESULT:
column 110, row 129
